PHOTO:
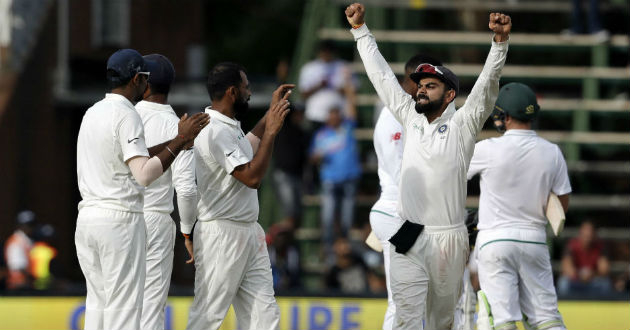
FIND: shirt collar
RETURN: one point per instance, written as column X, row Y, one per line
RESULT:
column 448, row 112
column 119, row 98
column 215, row 115
column 154, row 106
column 525, row 132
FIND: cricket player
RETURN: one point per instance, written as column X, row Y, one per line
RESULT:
column 426, row 270
column 160, row 124
column 231, row 259
column 388, row 144
column 518, row 172
column 113, row 165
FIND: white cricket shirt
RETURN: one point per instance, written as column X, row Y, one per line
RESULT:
column 160, row 125
column 436, row 155
column 219, row 148
column 388, row 144
column 111, row 133
column 518, row 171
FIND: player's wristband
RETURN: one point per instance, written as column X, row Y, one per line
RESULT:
column 358, row 26
column 186, row 236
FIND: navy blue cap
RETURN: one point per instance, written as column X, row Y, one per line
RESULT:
column 162, row 70
column 441, row 72
column 126, row 63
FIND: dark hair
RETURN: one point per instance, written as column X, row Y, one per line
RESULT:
column 418, row 59
column 159, row 88
column 114, row 80
column 223, row 76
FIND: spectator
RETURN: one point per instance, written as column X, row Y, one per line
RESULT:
column 594, row 26
column 334, row 147
column 289, row 162
column 349, row 274
column 17, row 249
column 585, row 266
column 42, row 257
column 284, row 257
column 320, row 80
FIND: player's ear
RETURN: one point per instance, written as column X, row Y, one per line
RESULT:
column 232, row 92
column 450, row 95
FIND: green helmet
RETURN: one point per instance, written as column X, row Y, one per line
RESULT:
column 518, row 101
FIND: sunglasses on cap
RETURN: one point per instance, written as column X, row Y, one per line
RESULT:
column 428, row 68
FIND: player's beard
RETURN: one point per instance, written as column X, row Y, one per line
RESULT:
column 430, row 107
column 240, row 108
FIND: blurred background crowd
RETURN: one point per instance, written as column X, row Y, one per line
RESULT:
column 316, row 199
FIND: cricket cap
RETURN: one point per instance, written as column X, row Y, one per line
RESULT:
column 126, row 63
column 161, row 68
column 518, row 101
column 441, row 72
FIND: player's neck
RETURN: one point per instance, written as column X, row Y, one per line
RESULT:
column 128, row 93
column 518, row 125
column 157, row 98
column 224, row 107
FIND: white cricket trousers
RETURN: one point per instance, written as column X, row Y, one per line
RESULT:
column 111, row 247
column 385, row 221
column 515, row 275
column 160, row 242
column 465, row 310
column 427, row 280
column 232, row 267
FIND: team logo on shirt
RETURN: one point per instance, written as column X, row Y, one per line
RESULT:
column 442, row 128
column 396, row 137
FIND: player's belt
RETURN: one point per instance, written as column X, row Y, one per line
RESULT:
column 406, row 236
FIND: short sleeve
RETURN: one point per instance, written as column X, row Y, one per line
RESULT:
column 130, row 135
column 226, row 151
column 561, row 184
column 479, row 160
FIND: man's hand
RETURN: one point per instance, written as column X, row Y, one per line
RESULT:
column 189, row 247
column 275, row 116
column 189, row 127
column 355, row 13
column 501, row 25
column 281, row 93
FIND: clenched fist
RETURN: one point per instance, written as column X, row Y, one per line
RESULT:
column 501, row 25
column 355, row 13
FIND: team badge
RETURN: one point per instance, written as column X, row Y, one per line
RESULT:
column 530, row 109
column 442, row 128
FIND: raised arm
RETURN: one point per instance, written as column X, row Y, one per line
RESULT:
column 281, row 93
column 480, row 102
column 380, row 74
column 252, row 173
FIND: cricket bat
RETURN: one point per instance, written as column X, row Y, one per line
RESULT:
column 555, row 214
column 373, row 242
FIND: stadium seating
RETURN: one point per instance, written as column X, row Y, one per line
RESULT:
column 582, row 85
